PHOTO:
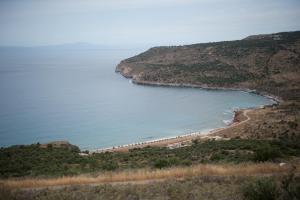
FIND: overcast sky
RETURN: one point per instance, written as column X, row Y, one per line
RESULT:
column 142, row 22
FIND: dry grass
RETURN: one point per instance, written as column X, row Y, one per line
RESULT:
column 149, row 175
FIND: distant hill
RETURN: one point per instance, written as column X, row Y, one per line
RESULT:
column 267, row 63
column 74, row 46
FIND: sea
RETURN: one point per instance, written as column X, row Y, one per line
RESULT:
column 74, row 94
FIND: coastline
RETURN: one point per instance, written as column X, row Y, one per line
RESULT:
column 157, row 142
column 180, row 140
column 276, row 99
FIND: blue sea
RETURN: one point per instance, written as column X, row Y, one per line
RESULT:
column 49, row 94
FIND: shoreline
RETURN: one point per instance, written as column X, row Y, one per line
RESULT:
column 155, row 142
column 276, row 99
column 180, row 139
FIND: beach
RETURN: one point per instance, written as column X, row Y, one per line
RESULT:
column 240, row 117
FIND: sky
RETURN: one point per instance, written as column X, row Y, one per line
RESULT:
column 141, row 22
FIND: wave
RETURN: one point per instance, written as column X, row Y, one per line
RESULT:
column 227, row 121
column 228, row 112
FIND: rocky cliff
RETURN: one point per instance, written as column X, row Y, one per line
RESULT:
column 267, row 63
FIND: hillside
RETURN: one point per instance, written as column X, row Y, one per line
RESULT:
column 266, row 63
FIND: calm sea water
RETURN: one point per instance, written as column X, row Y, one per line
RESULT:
column 51, row 94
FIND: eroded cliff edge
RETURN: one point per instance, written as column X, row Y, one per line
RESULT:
column 266, row 63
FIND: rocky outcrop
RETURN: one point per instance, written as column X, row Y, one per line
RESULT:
column 60, row 144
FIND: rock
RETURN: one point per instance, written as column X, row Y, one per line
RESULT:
column 83, row 154
column 282, row 164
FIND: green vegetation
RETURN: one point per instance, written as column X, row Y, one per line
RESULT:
column 264, row 189
column 288, row 188
column 33, row 160
column 215, row 73
column 265, row 153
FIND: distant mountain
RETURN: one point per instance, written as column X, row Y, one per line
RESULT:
column 77, row 45
column 268, row 63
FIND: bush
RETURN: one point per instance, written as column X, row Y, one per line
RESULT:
column 264, row 189
column 286, row 188
column 168, row 162
column 265, row 153
column 109, row 166
column 161, row 163
column 290, row 186
column 195, row 142
column 293, row 191
column 218, row 156
column 186, row 162
column 5, row 193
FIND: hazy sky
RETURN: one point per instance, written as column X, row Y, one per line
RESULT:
column 142, row 22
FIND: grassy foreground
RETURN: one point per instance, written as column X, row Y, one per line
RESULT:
column 284, row 187
column 34, row 161
column 191, row 188
column 226, row 169
column 148, row 175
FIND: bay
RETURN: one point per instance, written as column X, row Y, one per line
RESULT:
column 73, row 94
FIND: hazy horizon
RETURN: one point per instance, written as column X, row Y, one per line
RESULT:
column 141, row 22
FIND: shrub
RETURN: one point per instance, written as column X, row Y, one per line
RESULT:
column 294, row 190
column 292, row 124
column 167, row 162
column 5, row 193
column 195, row 142
column 186, row 162
column 218, row 156
column 290, row 186
column 264, row 189
column 161, row 163
column 265, row 153
column 109, row 166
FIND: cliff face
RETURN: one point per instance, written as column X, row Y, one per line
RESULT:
column 267, row 63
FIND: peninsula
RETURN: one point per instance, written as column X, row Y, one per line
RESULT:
column 269, row 64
